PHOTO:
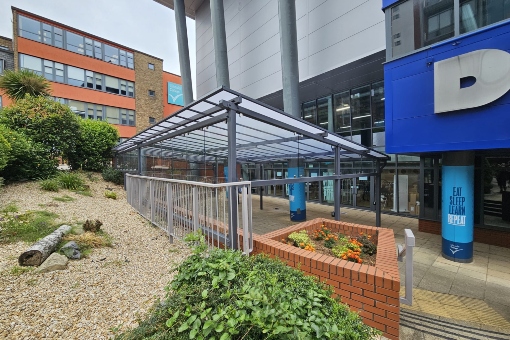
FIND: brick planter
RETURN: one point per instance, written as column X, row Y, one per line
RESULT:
column 373, row 291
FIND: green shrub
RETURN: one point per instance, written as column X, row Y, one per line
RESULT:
column 115, row 176
column 226, row 295
column 44, row 121
column 70, row 181
column 27, row 159
column 94, row 148
column 110, row 194
column 5, row 149
column 51, row 184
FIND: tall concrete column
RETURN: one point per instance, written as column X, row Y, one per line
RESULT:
column 289, row 52
column 182, row 44
column 457, row 220
column 220, row 43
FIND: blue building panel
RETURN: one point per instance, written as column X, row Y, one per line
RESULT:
column 411, row 124
column 388, row 3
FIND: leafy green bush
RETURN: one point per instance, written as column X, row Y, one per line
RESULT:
column 93, row 150
column 115, row 176
column 44, row 121
column 27, row 159
column 5, row 149
column 110, row 194
column 70, row 181
column 226, row 295
column 51, row 184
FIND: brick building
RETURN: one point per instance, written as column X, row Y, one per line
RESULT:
column 97, row 78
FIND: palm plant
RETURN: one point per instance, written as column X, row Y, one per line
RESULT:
column 16, row 84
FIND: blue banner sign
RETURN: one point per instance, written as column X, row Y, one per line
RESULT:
column 297, row 199
column 175, row 95
column 457, row 212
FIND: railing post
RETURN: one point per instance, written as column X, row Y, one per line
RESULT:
column 170, row 211
column 139, row 195
column 195, row 209
column 151, row 199
column 407, row 251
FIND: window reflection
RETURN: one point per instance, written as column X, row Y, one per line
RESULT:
column 310, row 112
column 360, row 108
column 324, row 113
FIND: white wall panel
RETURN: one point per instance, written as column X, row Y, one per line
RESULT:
column 331, row 33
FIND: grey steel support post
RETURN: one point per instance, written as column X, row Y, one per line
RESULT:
column 195, row 209
column 377, row 194
column 139, row 161
column 232, row 177
column 261, row 193
column 407, row 251
column 220, row 43
column 170, row 211
column 182, row 44
column 289, row 51
column 151, row 200
column 336, row 191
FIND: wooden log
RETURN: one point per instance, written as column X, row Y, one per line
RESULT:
column 43, row 248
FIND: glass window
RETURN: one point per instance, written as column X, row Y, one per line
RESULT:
column 123, row 117
column 131, row 117
column 130, row 62
column 74, row 42
column 123, row 87
column 131, row 89
column 89, row 49
column 2, row 66
column 324, row 113
column 151, row 66
column 31, row 63
column 475, row 14
column 90, row 111
column 1, row 102
column 99, row 82
column 29, row 28
column 48, row 69
column 360, row 108
column 310, row 112
column 58, row 37
column 378, row 104
column 112, row 115
column 75, row 76
column 59, row 72
column 152, row 93
column 111, row 54
column 342, row 112
column 99, row 112
column 77, row 107
column 152, row 120
column 123, row 58
column 47, row 34
column 98, row 52
column 90, row 79
column 111, row 84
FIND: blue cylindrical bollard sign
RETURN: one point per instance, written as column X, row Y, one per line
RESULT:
column 297, row 199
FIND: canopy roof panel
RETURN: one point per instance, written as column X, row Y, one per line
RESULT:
column 263, row 133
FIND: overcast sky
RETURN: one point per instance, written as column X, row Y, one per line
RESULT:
column 143, row 25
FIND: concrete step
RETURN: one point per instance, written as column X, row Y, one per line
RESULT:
column 419, row 325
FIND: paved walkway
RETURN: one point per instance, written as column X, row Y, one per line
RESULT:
column 476, row 293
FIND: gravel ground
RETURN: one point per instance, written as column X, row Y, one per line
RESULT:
column 94, row 297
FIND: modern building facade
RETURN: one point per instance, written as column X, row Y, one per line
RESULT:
column 345, row 52
column 97, row 78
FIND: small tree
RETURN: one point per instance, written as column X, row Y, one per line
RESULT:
column 44, row 121
column 93, row 149
column 17, row 84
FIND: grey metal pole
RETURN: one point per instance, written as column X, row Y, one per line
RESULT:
column 377, row 194
column 182, row 44
column 220, row 43
column 139, row 161
column 289, row 52
column 232, row 177
column 336, row 188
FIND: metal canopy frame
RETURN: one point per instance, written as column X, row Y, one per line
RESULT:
column 230, row 126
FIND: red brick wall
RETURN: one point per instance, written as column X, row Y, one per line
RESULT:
column 373, row 291
column 487, row 236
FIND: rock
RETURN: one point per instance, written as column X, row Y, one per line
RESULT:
column 71, row 250
column 53, row 262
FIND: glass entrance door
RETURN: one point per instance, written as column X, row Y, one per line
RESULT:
column 346, row 191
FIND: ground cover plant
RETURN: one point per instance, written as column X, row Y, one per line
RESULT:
column 29, row 226
column 112, row 175
column 223, row 294
column 355, row 248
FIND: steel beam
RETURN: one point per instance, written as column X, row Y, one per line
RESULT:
column 336, row 191
column 182, row 44
column 232, row 177
column 220, row 43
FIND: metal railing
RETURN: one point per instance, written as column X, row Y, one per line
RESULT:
column 406, row 250
column 180, row 207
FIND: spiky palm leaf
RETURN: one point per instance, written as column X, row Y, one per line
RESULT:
column 17, row 84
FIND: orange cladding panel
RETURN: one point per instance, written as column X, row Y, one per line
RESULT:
column 125, row 131
column 44, row 51
column 91, row 96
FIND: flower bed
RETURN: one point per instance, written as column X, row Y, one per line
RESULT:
column 360, row 248
column 373, row 291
